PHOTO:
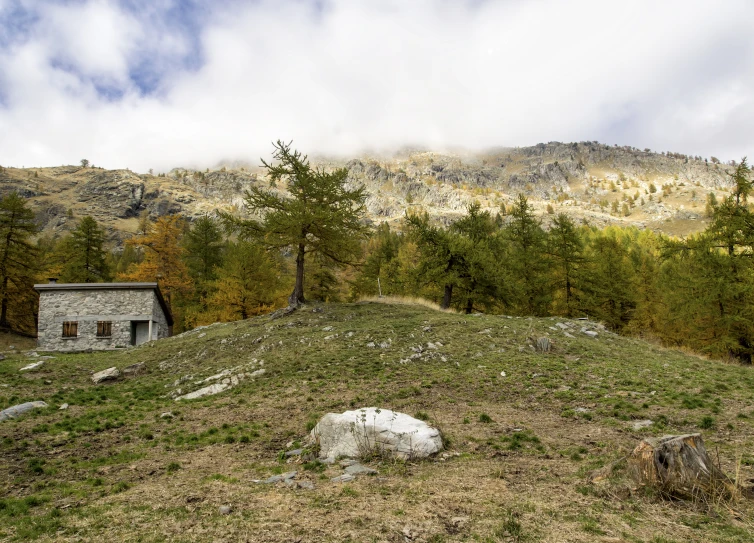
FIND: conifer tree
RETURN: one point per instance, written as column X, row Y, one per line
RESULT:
column 17, row 261
column 609, row 283
column 443, row 255
column 203, row 244
column 460, row 259
column 83, row 254
column 565, row 247
column 319, row 215
column 526, row 259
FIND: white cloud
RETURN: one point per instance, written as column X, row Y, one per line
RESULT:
column 358, row 74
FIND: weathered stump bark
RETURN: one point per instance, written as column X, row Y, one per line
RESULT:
column 679, row 466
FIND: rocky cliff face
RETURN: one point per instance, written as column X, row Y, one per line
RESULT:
column 662, row 191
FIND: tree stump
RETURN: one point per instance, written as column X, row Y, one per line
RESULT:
column 678, row 466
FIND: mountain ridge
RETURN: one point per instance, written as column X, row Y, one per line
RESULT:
column 662, row 191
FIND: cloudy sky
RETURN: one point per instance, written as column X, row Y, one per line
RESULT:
column 163, row 83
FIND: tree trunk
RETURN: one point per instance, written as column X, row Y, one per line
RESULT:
column 4, row 305
column 446, row 297
column 679, row 466
column 469, row 306
column 297, row 296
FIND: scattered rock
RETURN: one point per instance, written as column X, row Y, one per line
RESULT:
column 566, row 334
column 32, row 366
column 167, row 415
column 581, row 410
column 20, row 409
column 307, row 485
column 502, row 374
column 63, row 407
column 639, row 424
column 110, row 374
column 294, row 452
column 358, row 469
column 562, row 325
column 590, row 333
column 345, row 478
column 205, row 391
column 135, row 369
column 279, row 478
column 371, row 345
column 369, row 430
column 328, row 329
column 225, row 509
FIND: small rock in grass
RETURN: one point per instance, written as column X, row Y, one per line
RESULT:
column 225, row 509
column 639, row 424
column 167, row 415
column 307, row 485
column 294, row 452
column 348, row 462
column 280, row 478
column 345, row 478
column 110, row 374
column 590, row 333
column 32, row 366
column 20, row 409
column 134, row 369
column 358, row 469
column 63, row 407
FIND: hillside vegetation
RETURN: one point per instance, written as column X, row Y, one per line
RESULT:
column 524, row 430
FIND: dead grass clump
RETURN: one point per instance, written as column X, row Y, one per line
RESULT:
column 406, row 300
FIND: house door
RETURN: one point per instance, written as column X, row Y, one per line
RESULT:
column 139, row 332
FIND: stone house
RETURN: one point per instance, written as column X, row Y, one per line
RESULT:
column 82, row 316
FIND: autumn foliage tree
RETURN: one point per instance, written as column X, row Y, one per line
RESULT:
column 163, row 260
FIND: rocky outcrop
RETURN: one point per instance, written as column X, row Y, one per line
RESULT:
column 443, row 184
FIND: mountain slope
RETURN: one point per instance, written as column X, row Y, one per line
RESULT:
column 581, row 179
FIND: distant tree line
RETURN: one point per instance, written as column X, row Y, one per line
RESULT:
column 311, row 244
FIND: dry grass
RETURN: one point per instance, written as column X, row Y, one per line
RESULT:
column 407, row 300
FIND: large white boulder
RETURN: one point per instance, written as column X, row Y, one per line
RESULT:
column 371, row 430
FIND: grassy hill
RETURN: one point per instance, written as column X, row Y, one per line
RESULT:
column 524, row 428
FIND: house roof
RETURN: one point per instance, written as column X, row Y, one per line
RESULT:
column 47, row 287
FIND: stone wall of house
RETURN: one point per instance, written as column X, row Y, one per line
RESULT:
column 160, row 328
column 87, row 307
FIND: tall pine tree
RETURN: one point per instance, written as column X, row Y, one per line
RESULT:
column 17, row 263
column 83, row 254
column 319, row 214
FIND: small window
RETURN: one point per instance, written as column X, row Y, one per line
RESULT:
column 104, row 328
column 70, row 329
